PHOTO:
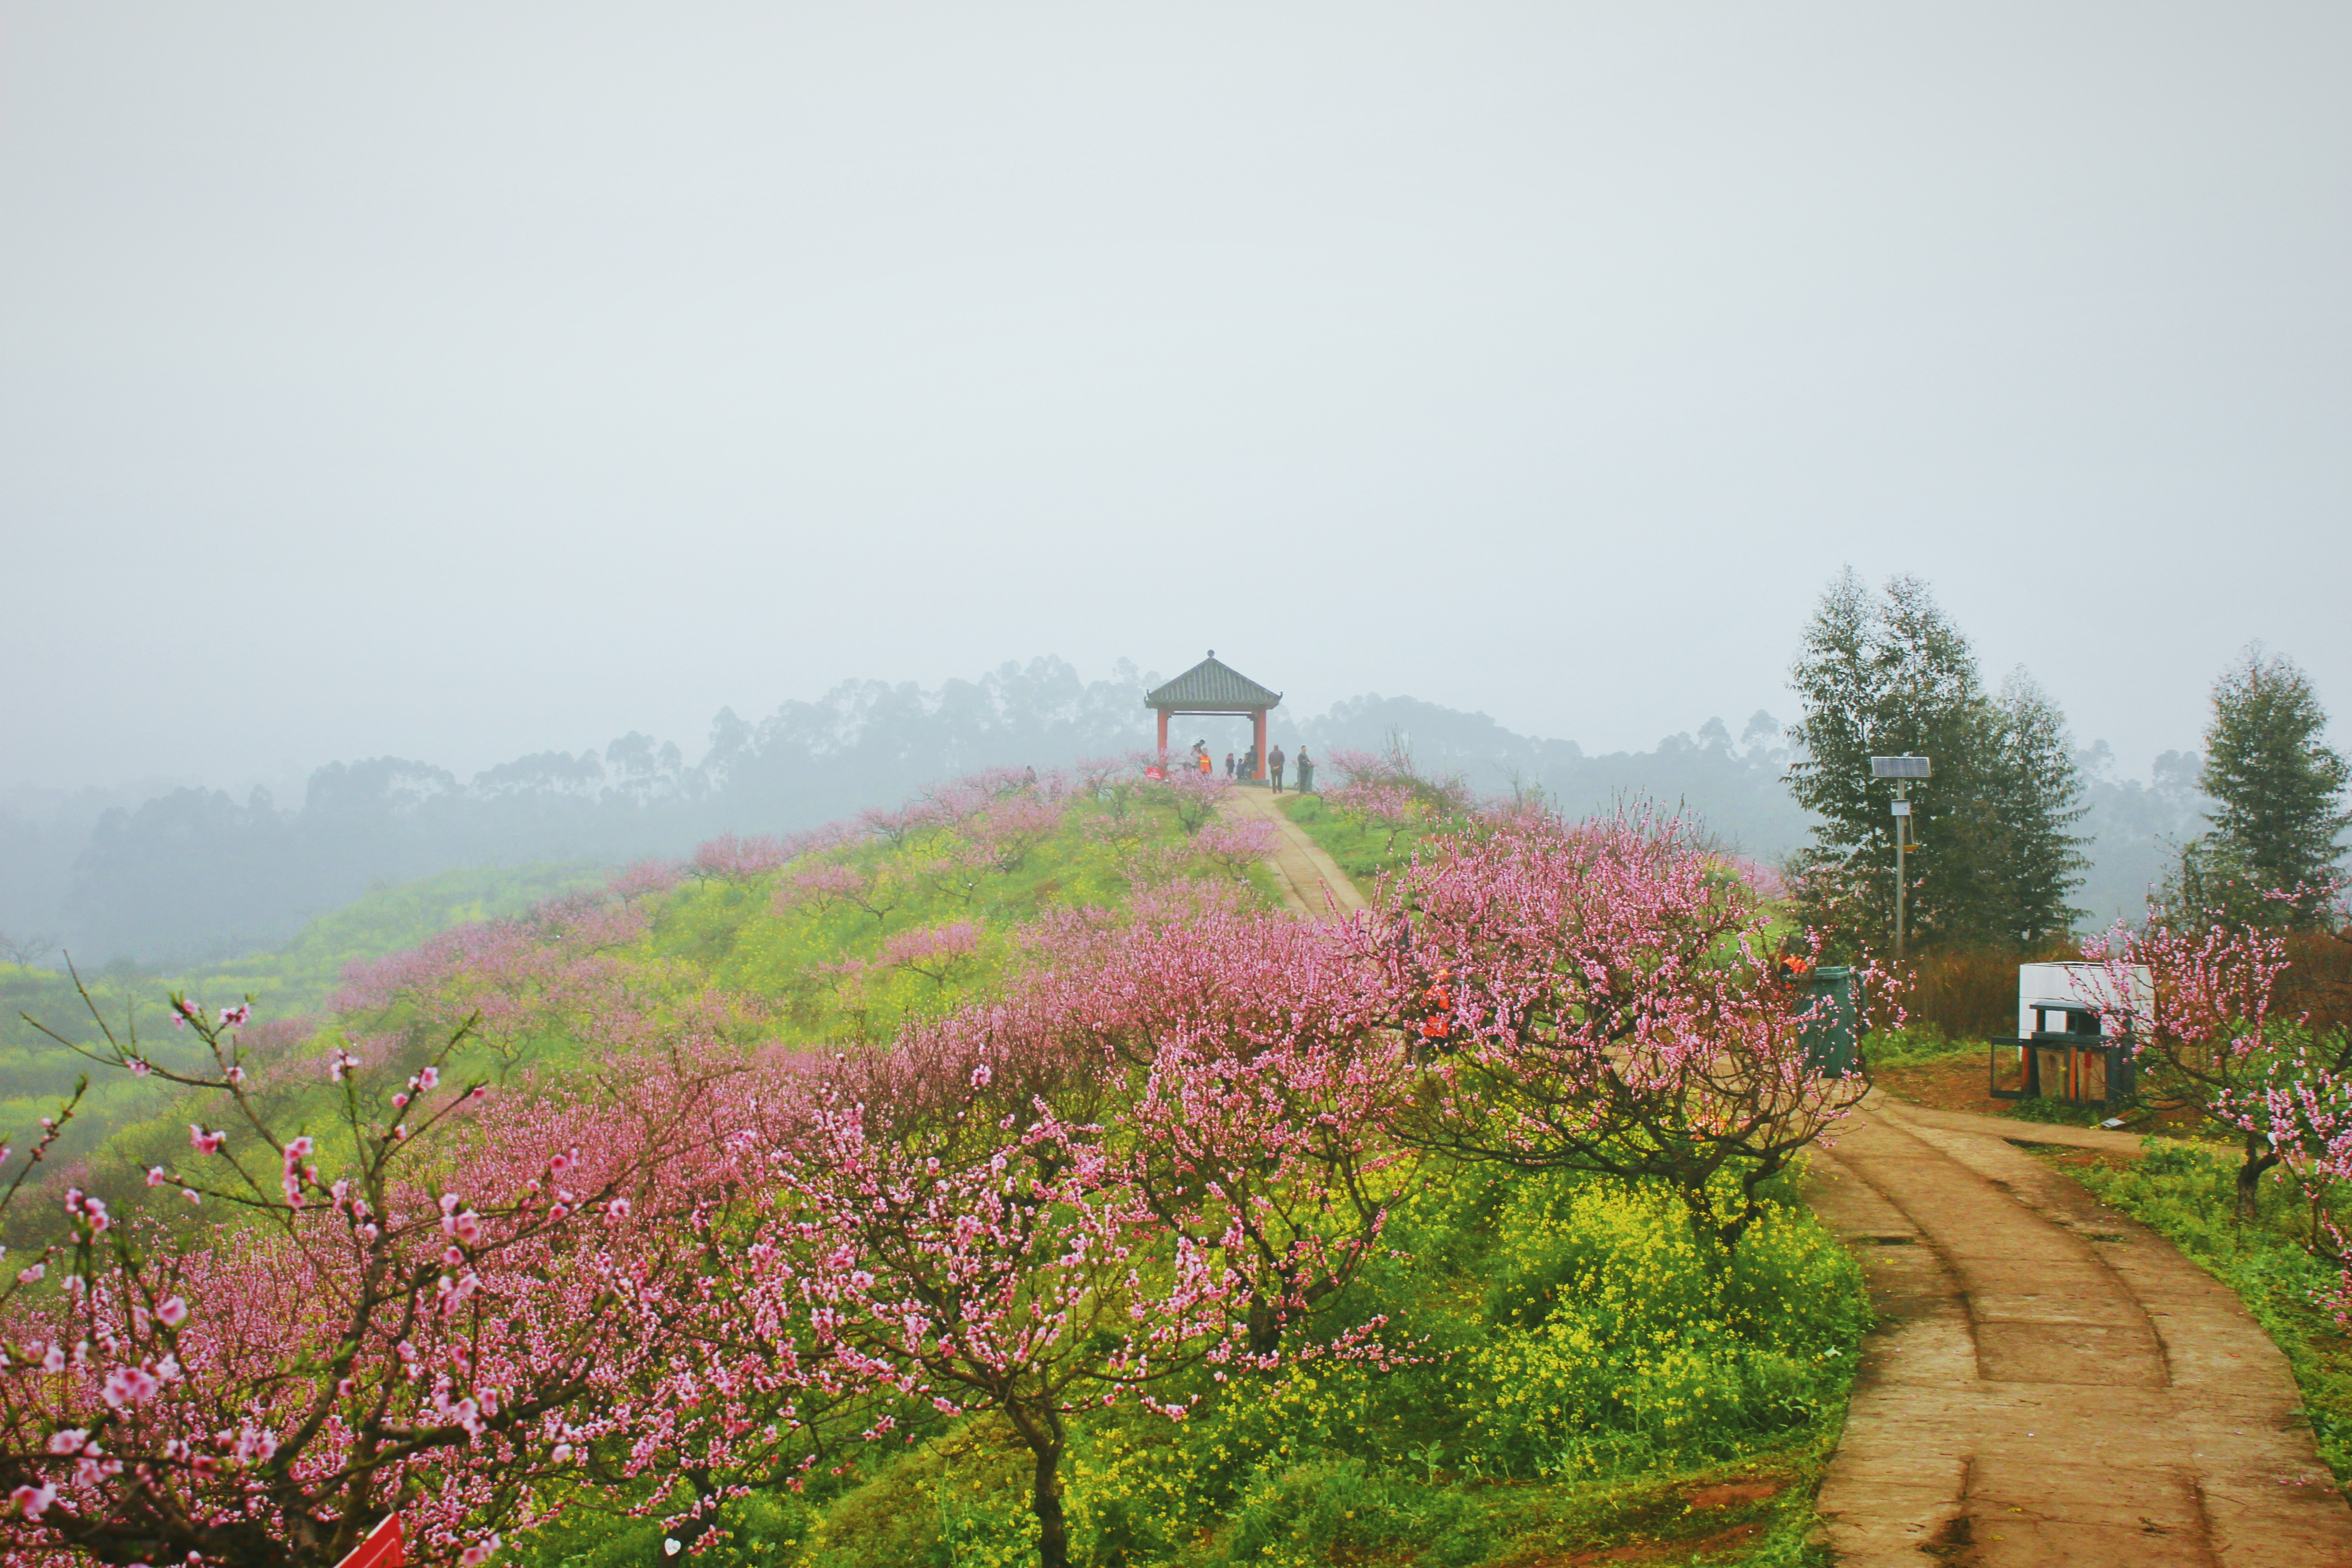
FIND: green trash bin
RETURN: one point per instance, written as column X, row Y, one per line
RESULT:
column 1832, row 1038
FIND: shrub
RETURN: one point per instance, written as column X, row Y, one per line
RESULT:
column 1303, row 1516
column 1617, row 1346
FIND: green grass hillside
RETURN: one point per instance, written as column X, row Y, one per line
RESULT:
column 1572, row 1376
column 289, row 985
column 832, row 937
column 1579, row 1387
column 296, row 979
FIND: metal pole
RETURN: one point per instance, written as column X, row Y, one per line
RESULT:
column 1902, row 883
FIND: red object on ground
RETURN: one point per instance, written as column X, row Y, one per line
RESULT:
column 381, row 1549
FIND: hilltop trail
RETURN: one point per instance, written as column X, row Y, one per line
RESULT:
column 1302, row 873
column 2051, row 1383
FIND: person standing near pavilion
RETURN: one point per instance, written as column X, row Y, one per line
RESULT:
column 1229, row 764
column 1306, row 772
column 1273, row 760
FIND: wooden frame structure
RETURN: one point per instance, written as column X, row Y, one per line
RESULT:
column 1212, row 688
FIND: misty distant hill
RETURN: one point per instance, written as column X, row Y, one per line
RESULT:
column 189, row 875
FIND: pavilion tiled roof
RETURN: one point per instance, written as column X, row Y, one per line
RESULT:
column 1211, row 686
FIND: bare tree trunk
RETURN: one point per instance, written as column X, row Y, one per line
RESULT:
column 1264, row 1329
column 1052, row 1525
column 2259, row 1157
column 1717, row 1239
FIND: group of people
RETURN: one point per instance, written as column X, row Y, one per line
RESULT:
column 1246, row 766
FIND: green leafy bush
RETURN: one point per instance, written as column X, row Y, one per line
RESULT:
column 1617, row 1343
column 1312, row 1513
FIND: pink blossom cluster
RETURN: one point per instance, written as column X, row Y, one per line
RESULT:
column 455, row 1346
column 1388, row 791
column 939, row 953
column 566, row 967
column 644, row 879
column 526, row 948
column 822, row 885
column 730, row 859
column 942, row 806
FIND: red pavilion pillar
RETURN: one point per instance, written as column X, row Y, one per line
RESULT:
column 1261, row 745
column 1164, row 731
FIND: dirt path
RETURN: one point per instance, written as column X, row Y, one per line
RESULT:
column 1310, row 881
column 2052, row 1384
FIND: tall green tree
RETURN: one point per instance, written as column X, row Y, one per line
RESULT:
column 2033, row 867
column 2279, row 792
column 1995, row 859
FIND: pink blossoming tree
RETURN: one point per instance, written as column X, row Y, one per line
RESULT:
column 439, row 1309
column 1602, row 997
column 2216, row 1037
column 981, row 1256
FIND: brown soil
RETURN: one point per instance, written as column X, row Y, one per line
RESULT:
column 1947, row 1083
column 1732, row 1494
column 1690, row 1549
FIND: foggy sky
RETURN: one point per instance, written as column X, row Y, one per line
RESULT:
column 459, row 380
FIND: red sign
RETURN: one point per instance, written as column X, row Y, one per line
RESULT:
column 380, row 1550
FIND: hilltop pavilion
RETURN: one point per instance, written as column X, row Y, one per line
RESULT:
column 1210, row 686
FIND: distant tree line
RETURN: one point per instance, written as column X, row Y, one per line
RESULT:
column 2021, row 836
column 196, row 873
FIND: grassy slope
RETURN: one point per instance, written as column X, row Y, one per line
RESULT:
column 296, row 979
column 1386, row 1467
column 1364, row 850
column 288, row 982
column 1582, row 1385
column 720, row 953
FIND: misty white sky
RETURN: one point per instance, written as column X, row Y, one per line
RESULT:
column 457, row 381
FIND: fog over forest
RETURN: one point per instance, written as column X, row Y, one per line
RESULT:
column 435, row 394
column 177, row 875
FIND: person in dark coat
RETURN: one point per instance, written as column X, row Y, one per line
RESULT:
column 1273, row 760
column 1306, row 772
column 1229, row 764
